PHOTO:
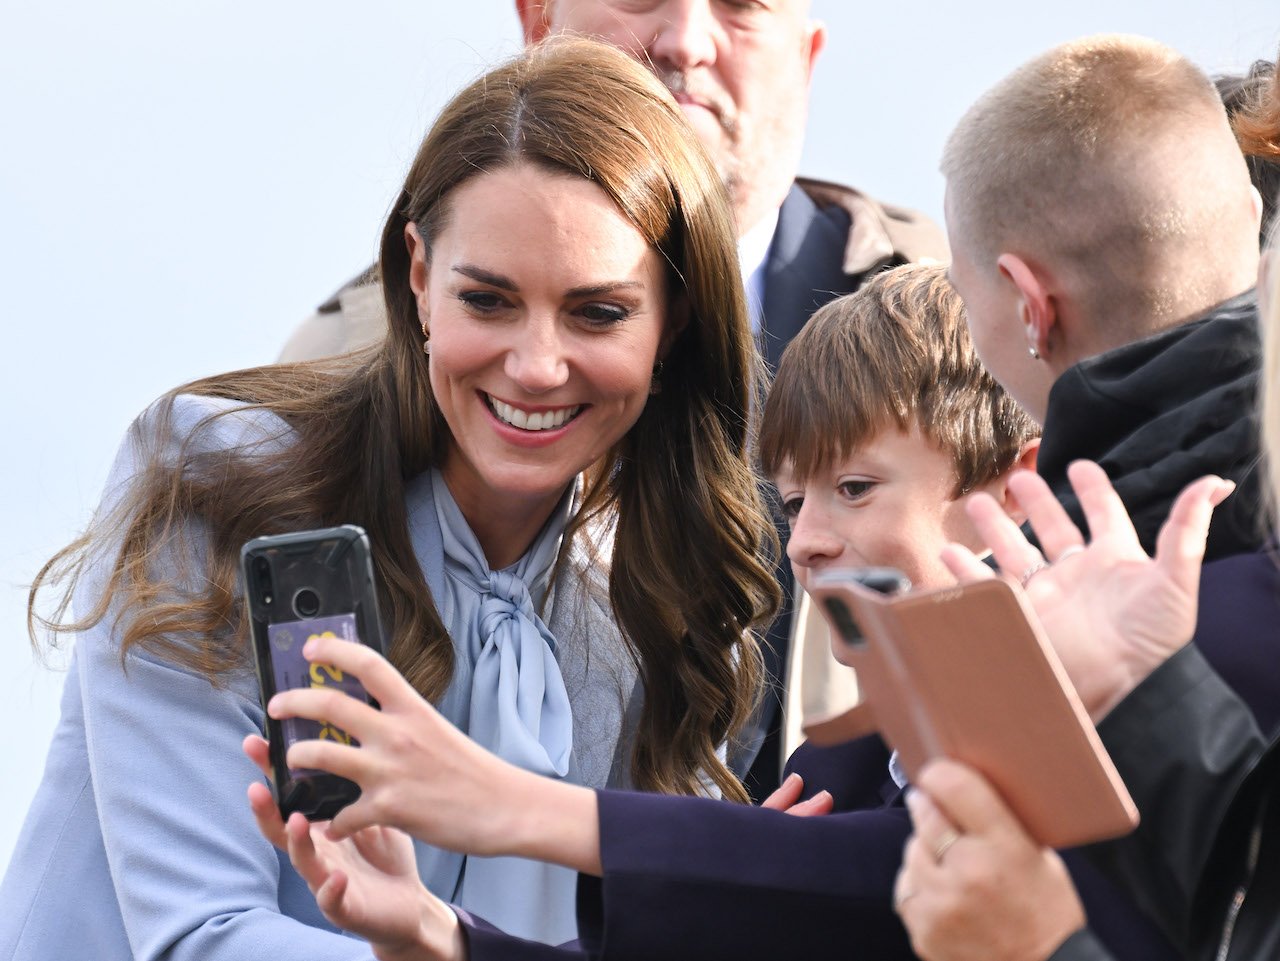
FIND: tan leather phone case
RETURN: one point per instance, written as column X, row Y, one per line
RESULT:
column 967, row 673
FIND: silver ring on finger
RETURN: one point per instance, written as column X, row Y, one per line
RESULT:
column 1069, row 552
column 1031, row 572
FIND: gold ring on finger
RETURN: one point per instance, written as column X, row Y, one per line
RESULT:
column 944, row 845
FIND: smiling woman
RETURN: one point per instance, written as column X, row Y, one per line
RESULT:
column 546, row 312
column 549, row 452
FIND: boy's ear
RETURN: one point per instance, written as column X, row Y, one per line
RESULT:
column 1028, row 456
column 1026, row 461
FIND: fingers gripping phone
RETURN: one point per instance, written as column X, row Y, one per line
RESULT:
column 298, row 586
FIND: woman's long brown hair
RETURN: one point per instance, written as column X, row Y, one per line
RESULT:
column 689, row 582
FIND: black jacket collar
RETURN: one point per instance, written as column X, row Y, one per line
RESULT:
column 1161, row 412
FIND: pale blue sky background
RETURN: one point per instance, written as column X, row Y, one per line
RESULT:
column 180, row 183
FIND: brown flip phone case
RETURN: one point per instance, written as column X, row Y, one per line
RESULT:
column 966, row 673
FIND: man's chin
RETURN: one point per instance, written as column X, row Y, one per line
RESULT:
column 706, row 124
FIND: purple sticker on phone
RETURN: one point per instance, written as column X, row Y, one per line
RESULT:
column 292, row 670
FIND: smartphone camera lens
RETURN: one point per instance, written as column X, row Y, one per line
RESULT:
column 306, row 603
column 262, row 574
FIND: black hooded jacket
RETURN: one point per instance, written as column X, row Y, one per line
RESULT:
column 1161, row 412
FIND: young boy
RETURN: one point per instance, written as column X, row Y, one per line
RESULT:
column 880, row 420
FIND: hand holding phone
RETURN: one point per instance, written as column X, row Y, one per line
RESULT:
column 299, row 586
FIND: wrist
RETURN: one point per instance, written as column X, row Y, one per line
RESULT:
column 1104, row 693
column 1135, row 668
column 439, row 936
column 1067, row 928
column 555, row 822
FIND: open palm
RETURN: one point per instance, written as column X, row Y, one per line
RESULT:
column 1112, row 613
column 366, row 883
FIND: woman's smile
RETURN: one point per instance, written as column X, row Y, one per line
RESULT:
column 531, row 419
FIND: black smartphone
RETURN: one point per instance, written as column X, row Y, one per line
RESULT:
column 885, row 580
column 298, row 586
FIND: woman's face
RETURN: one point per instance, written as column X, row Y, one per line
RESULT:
column 547, row 311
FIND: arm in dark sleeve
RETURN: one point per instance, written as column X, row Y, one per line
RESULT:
column 855, row 773
column 689, row 877
column 1081, row 946
column 487, row 943
column 1184, row 744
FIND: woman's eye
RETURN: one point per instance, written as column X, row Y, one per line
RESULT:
column 856, row 489
column 791, row 507
column 482, row 301
column 603, row 315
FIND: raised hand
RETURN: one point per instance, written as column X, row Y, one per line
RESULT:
column 1113, row 613
column 366, row 883
column 973, row 885
column 419, row 773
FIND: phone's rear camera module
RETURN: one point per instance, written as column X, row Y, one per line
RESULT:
column 306, row 603
column 262, row 575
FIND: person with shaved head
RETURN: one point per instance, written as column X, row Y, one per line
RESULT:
column 1105, row 241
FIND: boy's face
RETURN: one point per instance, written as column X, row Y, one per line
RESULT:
column 890, row 504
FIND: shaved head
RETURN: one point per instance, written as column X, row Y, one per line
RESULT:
column 1110, row 162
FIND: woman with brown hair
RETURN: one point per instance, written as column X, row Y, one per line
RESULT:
column 549, row 454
